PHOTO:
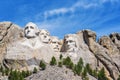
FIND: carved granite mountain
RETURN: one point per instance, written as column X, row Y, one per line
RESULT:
column 23, row 49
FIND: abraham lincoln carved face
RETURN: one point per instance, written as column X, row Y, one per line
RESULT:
column 55, row 43
column 70, row 42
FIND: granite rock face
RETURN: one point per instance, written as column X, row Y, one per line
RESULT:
column 23, row 49
column 101, row 53
column 9, row 32
column 56, row 73
column 115, row 37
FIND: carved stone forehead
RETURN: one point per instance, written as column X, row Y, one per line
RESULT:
column 31, row 24
column 44, row 31
column 70, row 37
column 54, row 39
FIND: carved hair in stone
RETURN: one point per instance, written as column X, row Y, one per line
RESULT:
column 55, row 43
column 44, row 35
column 70, row 43
column 31, row 30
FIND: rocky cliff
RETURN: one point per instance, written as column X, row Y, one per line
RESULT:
column 22, row 49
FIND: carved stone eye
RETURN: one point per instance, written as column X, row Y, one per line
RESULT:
column 42, row 33
column 70, row 41
column 31, row 27
column 66, row 42
column 26, row 27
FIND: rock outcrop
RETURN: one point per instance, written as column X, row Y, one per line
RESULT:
column 56, row 73
column 9, row 32
column 101, row 53
column 23, row 49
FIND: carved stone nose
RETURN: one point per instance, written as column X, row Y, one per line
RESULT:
column 28, row 31
column 56, row 45
column 45, row 36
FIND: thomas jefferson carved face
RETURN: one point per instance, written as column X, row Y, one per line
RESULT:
column 70, row 43
column 45, row 36
column 55, row 43
column 31, row 30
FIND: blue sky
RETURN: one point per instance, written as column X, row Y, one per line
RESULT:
column 62, row 17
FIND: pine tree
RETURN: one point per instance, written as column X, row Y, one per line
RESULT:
column 61, row 56
column 84, row 74
column 80, row 62
column 78, row 67
column 15, row 75
column 59, row 64
column 68, row 63
column 1, row 69
column 42, row 65
column 28, row 73
column 7, row 72
column 35, row 70
column 53, row 61
column 118, row 78
column 94, row 73
column 75, row 70
column 23, row 74
column 101, row 75
column 89, row 70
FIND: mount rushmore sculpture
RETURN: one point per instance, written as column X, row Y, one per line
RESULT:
column 23, row 48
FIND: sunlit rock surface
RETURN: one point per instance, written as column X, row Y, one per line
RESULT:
column 23, row 49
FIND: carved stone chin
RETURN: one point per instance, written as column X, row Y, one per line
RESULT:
column 45, row 36
column 33, row 43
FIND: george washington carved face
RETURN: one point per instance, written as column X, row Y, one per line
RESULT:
column 31, row 30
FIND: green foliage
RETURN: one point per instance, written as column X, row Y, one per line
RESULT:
column 89, row 69
column 61, row 56
column 84, row 74
column 35, row 70
column 1, row 69
column 95, row 74
column 86, row 78
column 78, row 68
column 59, row 64
column 118, row 78
column 6, row 72
column 53, row 61
column 42, row 65
column 80, row 62
column 101, row 75
column 71, row 65
column 15, row 75
column 68, row 63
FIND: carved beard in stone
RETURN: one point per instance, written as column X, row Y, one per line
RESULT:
column 70, row 44
column 31, row 30
column 45, row 36
column 55, row 44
